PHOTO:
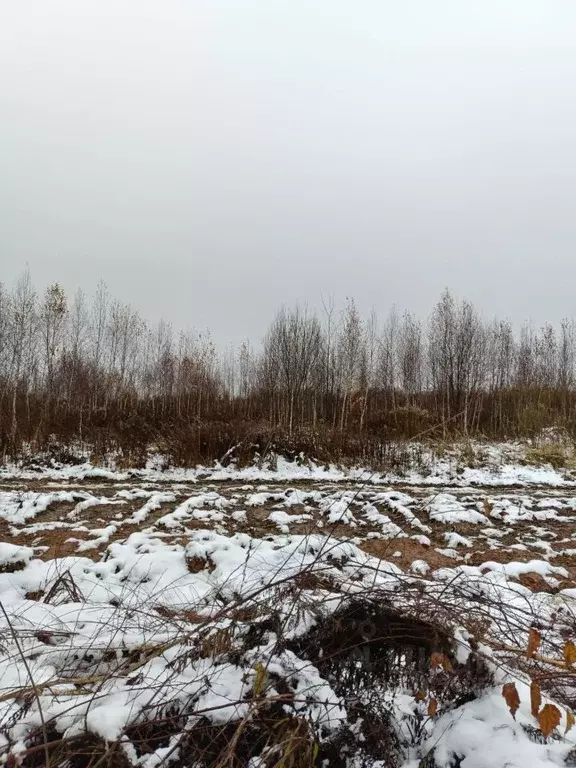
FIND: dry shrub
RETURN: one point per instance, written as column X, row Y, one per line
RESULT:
column 196, row 564
column 365, row 651
column 13, row 566
column 87, row 751
column 534, row 418
column 409, row 420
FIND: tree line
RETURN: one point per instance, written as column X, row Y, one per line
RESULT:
column 93, row 371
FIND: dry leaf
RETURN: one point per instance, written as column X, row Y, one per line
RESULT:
column 535, row 698
column 440, row 659
column 570, row 720
column 436, row 659
column 420, row 695
column 534, row 640
column 432, row 708
column 549, row 718
column 569, row 654
column 512, row 699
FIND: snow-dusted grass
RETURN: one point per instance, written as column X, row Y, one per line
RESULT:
column 459, row 464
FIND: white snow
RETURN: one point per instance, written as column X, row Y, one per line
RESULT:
column 446, row 508
column 13, row 554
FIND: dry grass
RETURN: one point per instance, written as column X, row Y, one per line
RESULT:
column 557, row 455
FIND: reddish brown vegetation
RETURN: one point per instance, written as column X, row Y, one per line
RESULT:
column 335, row 387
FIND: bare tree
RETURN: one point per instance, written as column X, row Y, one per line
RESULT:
column 456, row 345
column 350, row 354
column 368, row 363
column 21, row 333
column 388, row 359
column 410, row 356
column 291, row 350
column 52, row 320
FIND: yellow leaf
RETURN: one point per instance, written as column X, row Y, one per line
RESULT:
column 535, row 698
column 569, row 653
column 534, row 640
column 570, row 720
column 549, row 718
column 260, row 679
column 512, row 698
column 432, row 708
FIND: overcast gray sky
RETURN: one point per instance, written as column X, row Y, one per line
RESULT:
column 212, row 160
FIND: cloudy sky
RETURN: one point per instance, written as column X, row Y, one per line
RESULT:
column 212, row 160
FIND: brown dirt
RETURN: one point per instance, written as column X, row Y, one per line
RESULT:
column 411, row 550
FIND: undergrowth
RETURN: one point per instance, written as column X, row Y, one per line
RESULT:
column 322, row 670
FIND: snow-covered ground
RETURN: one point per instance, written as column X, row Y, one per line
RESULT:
column 466, row 525
column 198, row 598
